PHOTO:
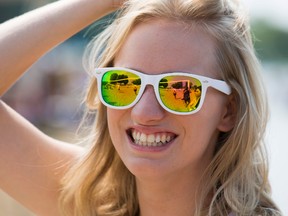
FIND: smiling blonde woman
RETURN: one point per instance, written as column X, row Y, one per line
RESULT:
column 151, row 154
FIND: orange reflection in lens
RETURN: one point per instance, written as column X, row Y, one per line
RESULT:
column 180, row 93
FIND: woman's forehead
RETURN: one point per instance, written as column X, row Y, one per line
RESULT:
column 163, row 45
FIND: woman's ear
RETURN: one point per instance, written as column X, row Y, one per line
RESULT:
column 227, row 121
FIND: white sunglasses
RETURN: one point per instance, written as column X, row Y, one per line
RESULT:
column 177, row 92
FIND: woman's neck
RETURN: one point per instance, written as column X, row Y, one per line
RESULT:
column 169, row 196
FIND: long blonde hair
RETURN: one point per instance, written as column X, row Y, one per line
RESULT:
column 99, row 183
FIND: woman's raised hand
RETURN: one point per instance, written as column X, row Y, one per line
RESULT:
column 24, row 39
column 31, row 163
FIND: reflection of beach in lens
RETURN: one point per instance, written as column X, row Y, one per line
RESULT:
column 120, row 88
column 180, row 93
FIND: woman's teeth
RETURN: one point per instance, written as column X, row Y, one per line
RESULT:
column 158, row 139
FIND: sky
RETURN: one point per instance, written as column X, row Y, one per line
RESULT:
column 274, row 11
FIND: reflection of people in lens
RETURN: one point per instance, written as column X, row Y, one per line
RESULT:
column 195, row 99
column 186, row 96
column 197, row 92
column 135, row 90
column 174, row 93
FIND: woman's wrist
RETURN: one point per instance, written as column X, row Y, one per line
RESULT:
column 117, row 3
column 105, row 6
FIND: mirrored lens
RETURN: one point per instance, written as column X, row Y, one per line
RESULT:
column 120, row 88
column 180, row 93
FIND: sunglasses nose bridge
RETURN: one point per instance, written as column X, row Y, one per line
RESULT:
column 150, row 80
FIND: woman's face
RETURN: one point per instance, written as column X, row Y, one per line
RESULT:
column 164, row 46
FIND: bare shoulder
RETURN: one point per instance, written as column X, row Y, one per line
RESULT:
column 32, row 164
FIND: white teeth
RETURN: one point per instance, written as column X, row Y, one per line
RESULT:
column 138, row 136
column 149, row 140
column 158, row 138
column 163, row 138
column 143, row 137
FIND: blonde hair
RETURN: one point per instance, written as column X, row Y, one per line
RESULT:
column 100, row 184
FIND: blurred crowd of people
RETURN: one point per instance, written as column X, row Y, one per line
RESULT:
column 51, row 99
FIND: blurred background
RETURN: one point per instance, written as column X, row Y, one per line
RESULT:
column 50, row 93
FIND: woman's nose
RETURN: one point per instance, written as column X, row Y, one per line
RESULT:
column 147, row 110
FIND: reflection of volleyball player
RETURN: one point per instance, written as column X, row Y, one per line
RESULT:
column 197, row 93
column 135, row 90
column 174, row 93
column 186, row 94
column 196, row 99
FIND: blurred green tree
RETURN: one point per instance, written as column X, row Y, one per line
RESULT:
column 271, row 43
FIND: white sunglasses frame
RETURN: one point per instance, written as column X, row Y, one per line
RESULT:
column 148, row 79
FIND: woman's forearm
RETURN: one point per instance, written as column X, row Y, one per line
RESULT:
column 26, row 38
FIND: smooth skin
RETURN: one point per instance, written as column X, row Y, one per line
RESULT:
column 168, row 177
column 31, row 163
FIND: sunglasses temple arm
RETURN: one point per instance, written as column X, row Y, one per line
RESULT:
column 221, row 86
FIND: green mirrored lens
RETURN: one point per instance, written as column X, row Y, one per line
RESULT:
column 180, row 93
column 120, row 88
